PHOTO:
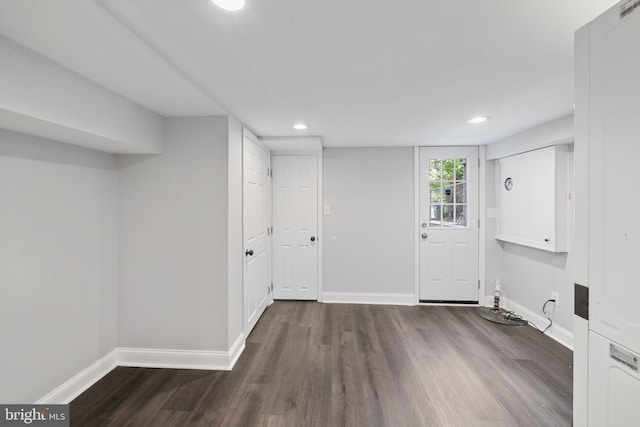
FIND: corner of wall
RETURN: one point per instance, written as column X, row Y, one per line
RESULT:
column 235, row 244
column 530, row 275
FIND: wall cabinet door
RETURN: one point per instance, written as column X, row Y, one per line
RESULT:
column 532, row 199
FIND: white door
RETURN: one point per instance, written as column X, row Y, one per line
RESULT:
column 295, row 222
column 256, row 208
column 614, row 229
column 449, row 224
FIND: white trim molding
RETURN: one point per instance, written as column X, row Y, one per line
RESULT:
column 181, row 359
column 416, row 221
column 145, row 358
column 556, row 332
column 368, row 298
column 482, row 216
column 235, row 351
column 320, row 225
column 75, row 386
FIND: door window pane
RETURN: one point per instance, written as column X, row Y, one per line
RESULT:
column 461, row 169
column 461, row 216
column 435, row 216
column 448, row 219
column 461, row 192
column 448, row 169
column 435, row 173
column 448, row 194
column 435, row 192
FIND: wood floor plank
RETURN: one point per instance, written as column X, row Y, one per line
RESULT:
column 312, row 364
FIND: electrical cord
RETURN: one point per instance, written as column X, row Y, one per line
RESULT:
column 510, row 315
column 544, row 311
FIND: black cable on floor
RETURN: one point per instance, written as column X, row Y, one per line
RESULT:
column 544, row 311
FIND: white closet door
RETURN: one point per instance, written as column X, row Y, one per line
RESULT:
column 256, row 207
column 614, row 229
column 295, row 222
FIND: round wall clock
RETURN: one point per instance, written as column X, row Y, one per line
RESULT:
column 508, row 184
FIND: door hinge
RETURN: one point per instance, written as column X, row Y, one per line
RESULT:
column 271, row 229
column 478, row 283
column 478, row 161
column 271, row 290
column 270, row 173
column 478, row 223
column 268, row 231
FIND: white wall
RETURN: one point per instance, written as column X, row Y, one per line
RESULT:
column 529, row 275
column 57, row 263
column 173, row 240
column 558, row 131
column 493, row 250
column 42, row 98
column 368, row 238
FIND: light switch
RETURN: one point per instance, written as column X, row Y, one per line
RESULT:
column 327, row 209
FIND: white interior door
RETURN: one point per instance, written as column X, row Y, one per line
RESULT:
column 449, row 224
column 295, row 222
column 614, row 230
column 256, row 208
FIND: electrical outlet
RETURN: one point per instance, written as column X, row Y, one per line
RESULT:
column 556, row 296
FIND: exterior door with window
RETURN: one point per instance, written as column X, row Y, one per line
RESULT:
column 449, row 224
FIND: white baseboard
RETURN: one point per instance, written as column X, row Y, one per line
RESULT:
column 558, row 333
column 181, row 359
column 368, row 298
column 173, row 359
column 145, row 358
column 82, row 381
column 236, row 350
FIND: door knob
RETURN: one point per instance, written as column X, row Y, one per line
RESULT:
column 425, row 235
column 313, row 238
column 248, row 252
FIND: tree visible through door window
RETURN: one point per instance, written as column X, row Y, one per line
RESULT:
column 448, row 193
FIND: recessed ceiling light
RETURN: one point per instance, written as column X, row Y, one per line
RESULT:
column 300, row 126
column 229, row 4
column 477, row 120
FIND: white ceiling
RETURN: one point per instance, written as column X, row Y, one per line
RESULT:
column 359, row 72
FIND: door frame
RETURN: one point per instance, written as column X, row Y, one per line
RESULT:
column 247, row 134
column 482, row 191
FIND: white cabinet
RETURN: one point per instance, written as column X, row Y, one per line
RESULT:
column 532, row 199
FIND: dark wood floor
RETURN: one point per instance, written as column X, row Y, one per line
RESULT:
column 311, row 364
